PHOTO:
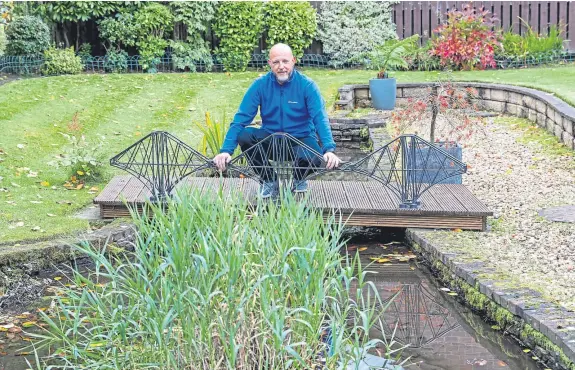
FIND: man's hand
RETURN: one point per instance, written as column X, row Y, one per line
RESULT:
column 332, row 160
column 221, row 160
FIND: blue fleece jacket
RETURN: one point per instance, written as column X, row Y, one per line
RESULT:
column 295, row 107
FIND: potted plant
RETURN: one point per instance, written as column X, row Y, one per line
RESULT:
column 388, row 56
column 446, row 114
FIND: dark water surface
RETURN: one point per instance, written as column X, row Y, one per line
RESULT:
column 441, row 333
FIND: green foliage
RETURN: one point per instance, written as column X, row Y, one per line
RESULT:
column 420, row 58
column 118, row 31
column 80, row 155
column 186, row 55
column 61, row 62
column 350, row 29
column 5, row 12
column 391, row 55
column 532, row 45
column 238, row 25
column 292, row 23
column 85, row 51
column 74, row 11
column 27, row 35
column 116, row 61
column 196, row 15
column 3, row 40
column 215, row 284
column 213, row 134
column 152, row 22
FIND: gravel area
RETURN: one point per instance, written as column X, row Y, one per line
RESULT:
column 516, row 179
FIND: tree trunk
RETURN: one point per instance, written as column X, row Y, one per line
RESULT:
column 78, row 35
column 434, row 110
column 65, row 33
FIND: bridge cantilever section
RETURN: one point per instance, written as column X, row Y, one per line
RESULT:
column 408, row 165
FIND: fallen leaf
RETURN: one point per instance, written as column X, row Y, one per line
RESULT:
column 50, row 215
column 32, row 174
column 452, row 293
column 45, row 183
column 20, row 146
column 445, row 289
column 23, row 354
column 94, row 188
column 534, row 358
column 527, row 350
column 501, row 363
column 80, row 186
column 36, row 228
column 28, row 324
column 362, row 249
column 36, row 202
column 383, row 260
column 495, row 327
column 15, row 329
column 58, row 278
column 81, row 173
column 457, row 230
column 14, row 185
column 20, row 224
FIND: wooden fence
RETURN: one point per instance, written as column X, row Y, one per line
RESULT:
column 422, row 17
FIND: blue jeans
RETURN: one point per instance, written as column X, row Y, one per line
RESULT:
column 305, row 161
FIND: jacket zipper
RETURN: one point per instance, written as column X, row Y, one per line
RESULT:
column 281, row 108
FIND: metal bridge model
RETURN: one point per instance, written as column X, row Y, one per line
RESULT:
column 402, row 184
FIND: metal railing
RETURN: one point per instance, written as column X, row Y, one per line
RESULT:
column 407, row 165
column 32, row 64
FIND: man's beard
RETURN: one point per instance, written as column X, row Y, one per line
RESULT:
column 283, row 77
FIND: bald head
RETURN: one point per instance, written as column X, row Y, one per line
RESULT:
column 280, row 49
column 281, row 62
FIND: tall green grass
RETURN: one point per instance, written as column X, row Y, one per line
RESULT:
column 215, row 284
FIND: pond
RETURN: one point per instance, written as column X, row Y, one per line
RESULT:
column 439, row 332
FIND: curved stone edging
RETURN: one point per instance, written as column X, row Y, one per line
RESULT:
column 548, row 329
column 549, row 112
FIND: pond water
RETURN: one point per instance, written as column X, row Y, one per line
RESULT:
column 440, row 332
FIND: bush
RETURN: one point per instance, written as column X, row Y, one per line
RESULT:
column 118, row 31
column 2, row 40
column 351, row 29
column 152, row 21
column 532, row 46
column 187, row 55
column 61, row 62
column 291, row 23
column 466, row 41
column 116, row 61
column 215, row 284
column 239, row 26
column 27, row 35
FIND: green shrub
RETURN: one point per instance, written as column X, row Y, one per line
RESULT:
column 85, row 51
column 152, row 22
column 118, row 31
column 531, row 45
column 61, row 62
column 350, row 29
column 27, row 35
column 292, row 23
column 116, row 61
column 2, row 40
column 215, row 284
column 238, row 26
column 190, row 55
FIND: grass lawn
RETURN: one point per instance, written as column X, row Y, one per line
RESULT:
column 120, row 109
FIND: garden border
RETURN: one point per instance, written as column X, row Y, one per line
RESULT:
column 548, row 111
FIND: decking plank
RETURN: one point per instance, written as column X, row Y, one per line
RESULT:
column 379, row 197
column 448, row 201
column 316, row 195
column 131, row 191
column 369, row 203
column 471, row 203
column 337, row 198
column 111, row 191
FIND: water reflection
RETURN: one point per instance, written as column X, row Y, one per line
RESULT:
column 439, row 332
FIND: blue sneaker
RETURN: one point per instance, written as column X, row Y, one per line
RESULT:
column 300, row 186
column 268, row 189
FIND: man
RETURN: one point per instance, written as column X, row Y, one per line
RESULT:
column 289, row 102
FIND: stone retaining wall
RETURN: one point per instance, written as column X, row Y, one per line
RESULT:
column 549, row 112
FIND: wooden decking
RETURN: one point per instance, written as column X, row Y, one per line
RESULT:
column 361, row 203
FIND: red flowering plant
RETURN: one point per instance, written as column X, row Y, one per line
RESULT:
column 443, row 112
column 467, row 40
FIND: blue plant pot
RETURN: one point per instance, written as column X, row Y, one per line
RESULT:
column 383, row 93
column 433, row 164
